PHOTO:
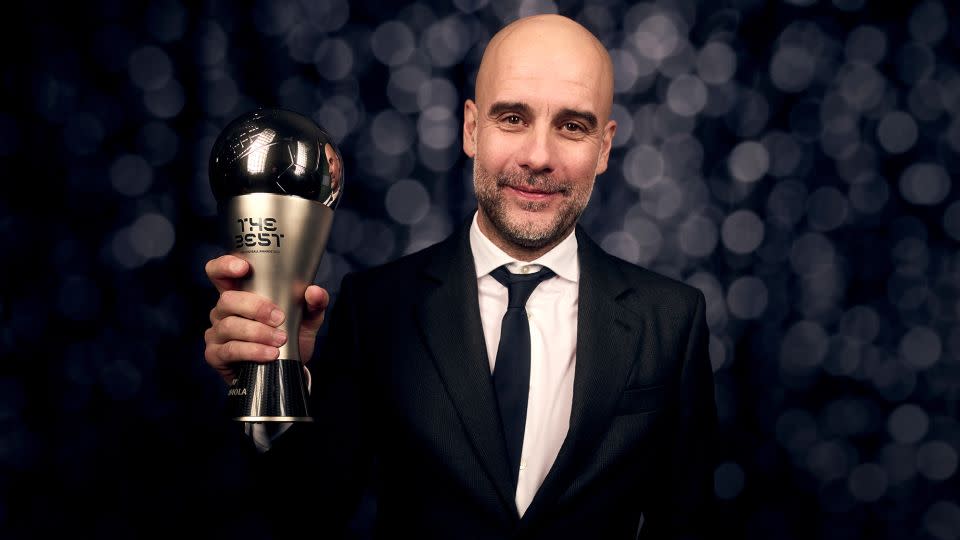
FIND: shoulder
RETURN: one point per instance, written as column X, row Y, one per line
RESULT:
column 651, row 288
column 402, row 272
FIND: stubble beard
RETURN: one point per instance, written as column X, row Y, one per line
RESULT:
column 526, row 233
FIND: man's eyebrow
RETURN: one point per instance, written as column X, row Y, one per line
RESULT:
column 586, row 117
column 501, row 107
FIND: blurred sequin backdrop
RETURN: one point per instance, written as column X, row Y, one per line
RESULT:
column 793, row 159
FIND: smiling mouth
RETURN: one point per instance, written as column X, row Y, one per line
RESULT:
column 533, row 192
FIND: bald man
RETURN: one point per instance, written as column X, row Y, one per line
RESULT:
column 512, row 381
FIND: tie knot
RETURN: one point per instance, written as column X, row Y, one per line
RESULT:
column 520, row 286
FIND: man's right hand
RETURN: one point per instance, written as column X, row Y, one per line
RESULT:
column 244, row 325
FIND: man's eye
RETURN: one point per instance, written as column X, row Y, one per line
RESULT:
column 513, row 119
column 572, row 126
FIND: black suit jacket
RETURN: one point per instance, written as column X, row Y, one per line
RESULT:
column 404, row 403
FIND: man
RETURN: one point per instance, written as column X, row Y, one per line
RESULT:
column 611, row 435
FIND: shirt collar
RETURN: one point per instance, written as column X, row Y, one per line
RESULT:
column 562, row 259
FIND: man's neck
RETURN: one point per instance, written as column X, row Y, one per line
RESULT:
column 520, row 253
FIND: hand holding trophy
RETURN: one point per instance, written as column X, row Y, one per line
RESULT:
column 277, row 178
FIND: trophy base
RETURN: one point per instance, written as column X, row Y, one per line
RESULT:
column 270, row 392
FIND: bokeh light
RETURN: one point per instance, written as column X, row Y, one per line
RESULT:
column 794, row 160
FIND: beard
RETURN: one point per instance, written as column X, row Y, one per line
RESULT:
column 514, row 227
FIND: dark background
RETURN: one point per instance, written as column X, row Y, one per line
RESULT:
column 792, row 159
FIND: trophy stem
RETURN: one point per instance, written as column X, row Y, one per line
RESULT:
column 269, row 392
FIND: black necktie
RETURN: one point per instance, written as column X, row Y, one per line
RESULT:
column 511, row 373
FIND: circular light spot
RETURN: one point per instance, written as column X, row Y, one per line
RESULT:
column 167, row 102
column 792, row 69
column 925, row 184
column 861, row 86
column 951, row 220
column 403, row 86
column 662, row 200
column 656, row 37
column 900, row 462
column 437, row 92
column 648, row 237
column 787, row 203
column 868, row 482
column 378, row 244
column 866, row 45
column 446, row 41
column 718, row 353
column 698, row 236
column 749, row 161
column 152, row 236
column 686, row 95
column 392, row 43
column 920, row 347
column 803, row 347
column 828, row 460
column 861, row 323
column 908, row 423
column 897, row 132
column 915, row 62
column 936, row 460
column 827, row 209
column 437, row 128
column 391, row 132
column 273, row 18
column 333, row 59
column 131, row 175
column 150, row 68
column 785, row 153
column 742, row 232
column 621, row 244
column 796, row 430
column 643, row 166
column 624, row 121
column 942, row 520
column 327, row 16
column 728, row 480
column 407, row 202
column 869, row 197
column 626, row 70
column 716, row 63
column 747, row 297
column 928, row 22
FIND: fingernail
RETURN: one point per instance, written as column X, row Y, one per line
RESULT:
column 237, row 266
column 276, row 316
column 279, row 337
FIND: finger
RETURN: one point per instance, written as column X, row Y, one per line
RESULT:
column 240, row 329
column 247, row 305
column 221, row 355
column 317, row 298
column 224, row 271
column 317, row 301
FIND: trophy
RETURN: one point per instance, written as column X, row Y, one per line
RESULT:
column 277, row 178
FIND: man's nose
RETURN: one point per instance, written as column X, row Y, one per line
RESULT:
column 536, row 153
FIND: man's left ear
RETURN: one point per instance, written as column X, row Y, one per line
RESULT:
column 606, row 143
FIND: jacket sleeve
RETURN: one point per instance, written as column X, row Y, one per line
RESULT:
column 688, row 510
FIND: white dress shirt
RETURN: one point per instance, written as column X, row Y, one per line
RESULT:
column 552, row 312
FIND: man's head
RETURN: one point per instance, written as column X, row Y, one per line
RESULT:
column 539, row 131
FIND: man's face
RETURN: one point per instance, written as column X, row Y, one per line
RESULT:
column 539, row 135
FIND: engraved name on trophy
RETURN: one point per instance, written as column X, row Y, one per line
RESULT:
column 277, row 178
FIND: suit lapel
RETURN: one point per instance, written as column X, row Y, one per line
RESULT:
column 449, row 320
column 608, row 334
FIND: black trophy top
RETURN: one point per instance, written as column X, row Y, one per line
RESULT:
column 276, row 151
